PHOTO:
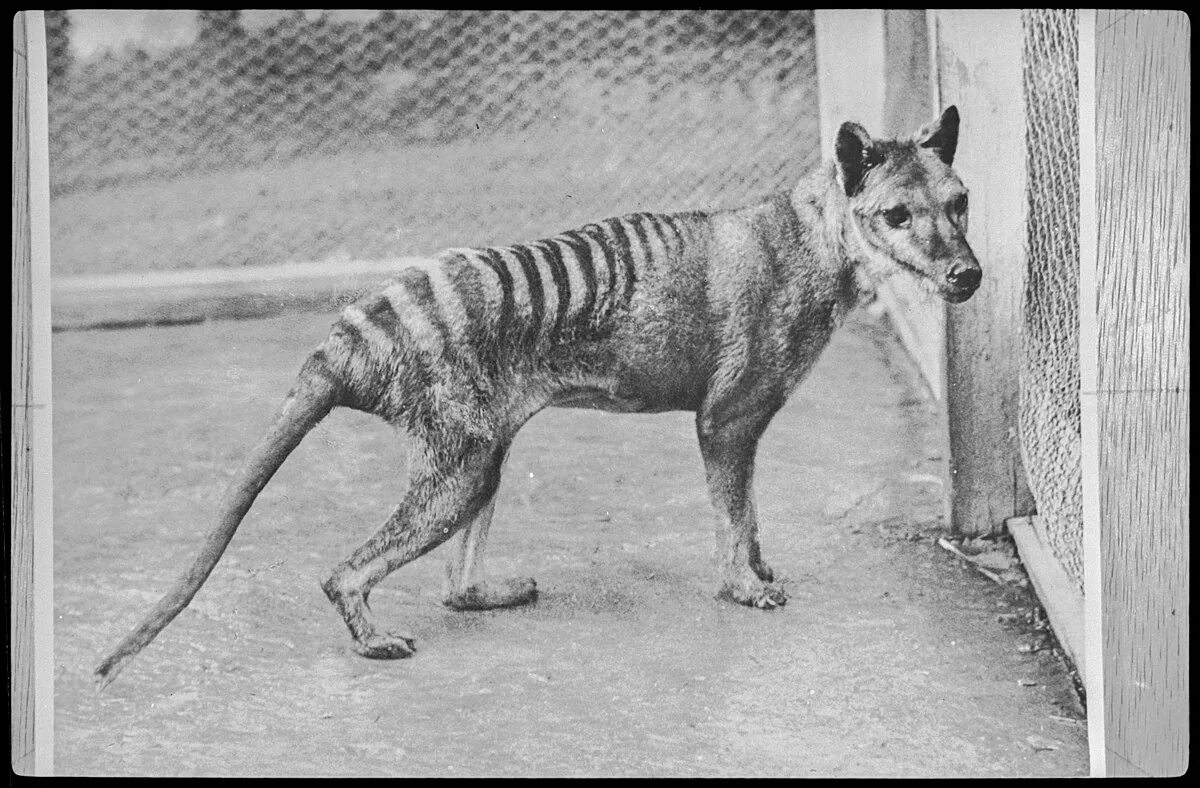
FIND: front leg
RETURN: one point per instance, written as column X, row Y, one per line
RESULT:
column 728, row 449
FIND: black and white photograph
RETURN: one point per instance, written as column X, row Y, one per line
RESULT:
column 600, row 393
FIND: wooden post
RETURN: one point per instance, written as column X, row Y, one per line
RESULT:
column 20, row 633
column 978, row 69
column 1141, row 389
column 31, row 695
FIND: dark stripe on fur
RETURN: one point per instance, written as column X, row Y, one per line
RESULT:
column 467, row 281
column 607, row 297
column 368, row 394
column 654, row 221
column 379, row 311
column 638, row 223
column 421, row 291
column 582, row 250
column 355, row 341
column 494, row 261
column 672, row 224
column 558, row 272
column 537, row 299
column 624, row 254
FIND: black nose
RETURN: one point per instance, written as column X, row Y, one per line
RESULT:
column 964, row 275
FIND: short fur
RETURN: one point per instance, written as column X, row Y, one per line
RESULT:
column 722, row 313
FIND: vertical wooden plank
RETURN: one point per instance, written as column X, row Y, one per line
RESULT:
column 908, row 91
column 31, row 629
column 1089, row 425
column 979, row 70
column 1143, row 130
column 42, row 408
column 20, row 632
column 907, row 106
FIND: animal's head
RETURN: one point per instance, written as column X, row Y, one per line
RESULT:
column 907, row 208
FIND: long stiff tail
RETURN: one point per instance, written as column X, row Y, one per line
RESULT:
column 310, row 400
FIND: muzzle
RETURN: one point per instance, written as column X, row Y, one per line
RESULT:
column 962, row 279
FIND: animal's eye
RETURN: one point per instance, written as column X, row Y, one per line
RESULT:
column 959, row 205
column 897, row 217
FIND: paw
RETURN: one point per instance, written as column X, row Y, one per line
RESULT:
column 386, row 646
column 754, row 593
column 488, row 596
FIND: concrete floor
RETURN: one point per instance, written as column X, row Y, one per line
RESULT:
column 892, row 658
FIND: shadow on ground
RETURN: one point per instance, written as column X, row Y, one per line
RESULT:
column 890, row 659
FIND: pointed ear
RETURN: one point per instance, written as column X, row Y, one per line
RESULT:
column 856, row 155
column 941, row 136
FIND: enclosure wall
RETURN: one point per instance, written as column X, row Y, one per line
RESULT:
column 31, row 649
column 1143, row 166
column 978, row 69
column 1049, row 425
column 20, row 632
column 258, row 137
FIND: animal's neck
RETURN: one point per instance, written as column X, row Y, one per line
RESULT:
column 819, row 198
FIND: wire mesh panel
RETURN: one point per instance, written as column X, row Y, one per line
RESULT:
column 1049, row 376
column 262, row 137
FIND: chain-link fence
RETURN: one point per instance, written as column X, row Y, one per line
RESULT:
column 325, row 136
column 1049, row 413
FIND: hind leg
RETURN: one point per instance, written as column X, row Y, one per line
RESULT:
column 445, row 494
column 464, row 590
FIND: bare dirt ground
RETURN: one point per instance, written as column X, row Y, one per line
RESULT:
column 890, row 659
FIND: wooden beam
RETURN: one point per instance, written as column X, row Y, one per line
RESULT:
column 1057, row 592
column 31, row 635
column 20, row 633
column 1143, row 170
column 978, row 69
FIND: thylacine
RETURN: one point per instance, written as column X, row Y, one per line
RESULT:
column 721, row 313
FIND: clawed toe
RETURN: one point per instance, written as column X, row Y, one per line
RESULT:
column 772, row 597
column 755, row 593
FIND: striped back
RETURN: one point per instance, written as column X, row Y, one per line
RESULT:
column 555, row 290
